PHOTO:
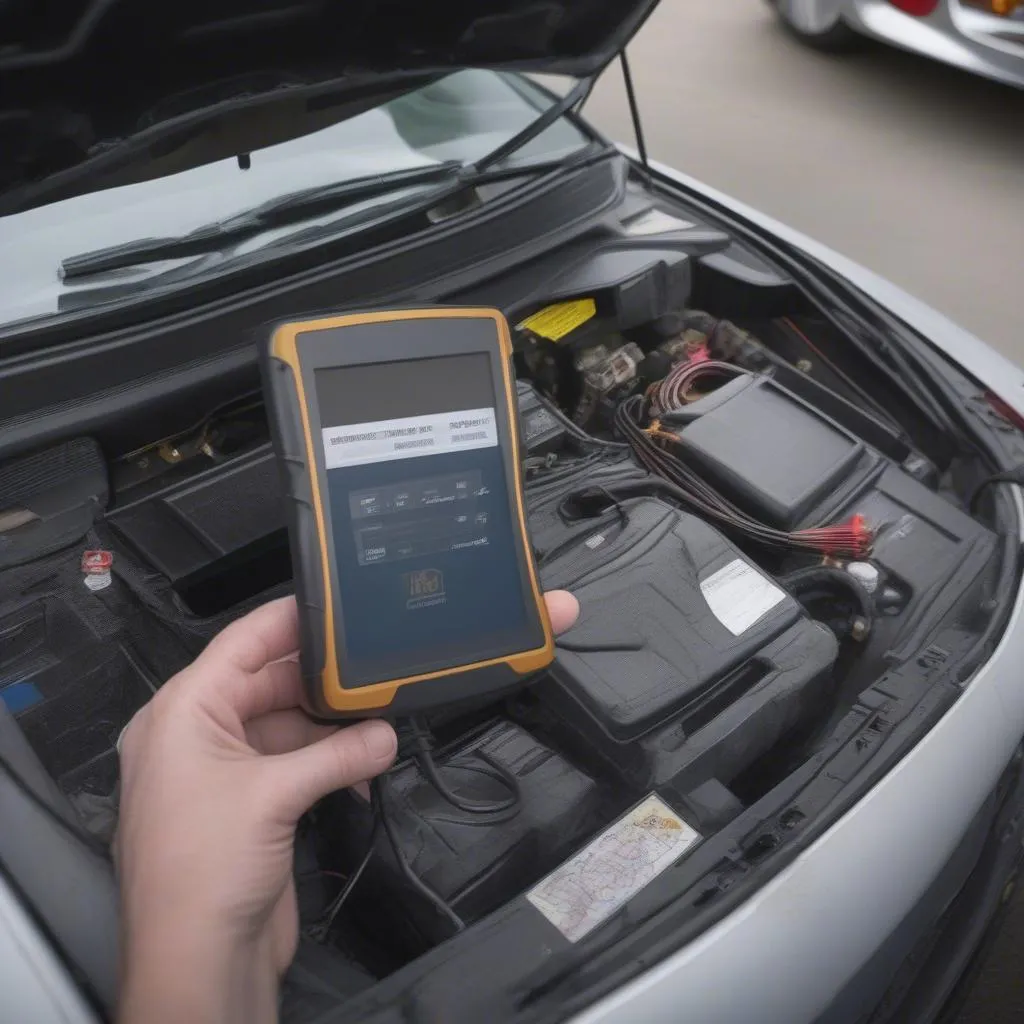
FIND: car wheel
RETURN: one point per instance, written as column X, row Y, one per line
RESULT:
column 818, row 24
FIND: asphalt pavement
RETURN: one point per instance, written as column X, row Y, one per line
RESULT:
column 911, row 168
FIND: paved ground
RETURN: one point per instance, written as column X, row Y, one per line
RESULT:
column 911, row 168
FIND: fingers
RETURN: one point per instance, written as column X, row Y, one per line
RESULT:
column 350, row 755
column 563, row 610
column 268, row 633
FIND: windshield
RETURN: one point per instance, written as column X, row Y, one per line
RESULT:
column 460, row 118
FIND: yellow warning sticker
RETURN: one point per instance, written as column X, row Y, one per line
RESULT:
column 555, row 322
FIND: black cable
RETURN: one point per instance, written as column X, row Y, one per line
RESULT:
column 429, row 767
column 87, row 839
column 424, row 757
column 322, row 929
column 378, row 789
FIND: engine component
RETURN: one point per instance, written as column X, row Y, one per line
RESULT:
column 768, row 451
column 834, row 598
column 473, row 861
column 218, row 537
column 690, row 346
column 687, row 662
column 865, row 574
column 50, row 499
column 603, row 372
column 663, row 452
column 638, row 285
column 861, row 413
column 783, row 461
column 539, row 427
column 738, row 279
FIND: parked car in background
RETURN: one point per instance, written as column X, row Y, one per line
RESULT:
column 982, row 36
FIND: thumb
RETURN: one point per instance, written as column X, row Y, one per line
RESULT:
column 350, row 755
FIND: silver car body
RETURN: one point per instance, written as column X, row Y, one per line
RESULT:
column 823, row 917
column 954, row 32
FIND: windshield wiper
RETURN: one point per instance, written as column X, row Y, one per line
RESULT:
column 297, row 206
column 275, row 213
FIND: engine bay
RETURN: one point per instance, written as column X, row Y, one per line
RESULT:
column 754, row 533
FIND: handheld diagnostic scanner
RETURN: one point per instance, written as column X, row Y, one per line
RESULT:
column 396, row 434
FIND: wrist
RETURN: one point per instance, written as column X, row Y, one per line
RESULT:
column 173, row 974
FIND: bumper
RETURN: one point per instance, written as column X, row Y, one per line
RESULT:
column 843, row 913
column 955, row 33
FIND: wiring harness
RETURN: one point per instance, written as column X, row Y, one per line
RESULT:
column 641, row 420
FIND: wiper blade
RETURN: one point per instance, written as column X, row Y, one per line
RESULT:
column 296, row 206
column 277, row 212
column 573, row 98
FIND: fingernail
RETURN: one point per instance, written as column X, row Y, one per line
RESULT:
column 380, row 740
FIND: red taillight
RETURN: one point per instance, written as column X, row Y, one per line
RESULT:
column 918, row 8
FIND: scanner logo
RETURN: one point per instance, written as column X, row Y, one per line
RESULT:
column 423, row 588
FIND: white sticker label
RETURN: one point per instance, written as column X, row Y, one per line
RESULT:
column 739, row 595
column 656, row 222
column 410, row 437
column 98, row 581
column 589, row 887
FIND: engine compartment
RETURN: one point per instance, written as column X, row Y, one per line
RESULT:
column 753, row 535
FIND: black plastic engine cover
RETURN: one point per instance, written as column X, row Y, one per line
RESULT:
column 190, row 529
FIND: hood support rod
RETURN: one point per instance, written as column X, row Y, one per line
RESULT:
column 634, row 110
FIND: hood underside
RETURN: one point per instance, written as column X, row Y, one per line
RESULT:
column 89, row 89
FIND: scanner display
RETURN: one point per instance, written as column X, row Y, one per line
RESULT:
column 427, row 569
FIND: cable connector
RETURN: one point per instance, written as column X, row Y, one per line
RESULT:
column 852, row 539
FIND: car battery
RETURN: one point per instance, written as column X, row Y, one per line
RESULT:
column 687, row 661
column 473, row 861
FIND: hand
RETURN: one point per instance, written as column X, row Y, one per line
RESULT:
column 215, row 772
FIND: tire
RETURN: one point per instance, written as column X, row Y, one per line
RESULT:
column 818, row 24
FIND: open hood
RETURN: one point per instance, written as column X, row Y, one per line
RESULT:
column 101, row 90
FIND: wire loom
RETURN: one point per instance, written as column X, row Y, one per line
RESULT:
column 639, row 420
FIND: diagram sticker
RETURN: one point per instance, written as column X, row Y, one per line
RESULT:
column 589, row 887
